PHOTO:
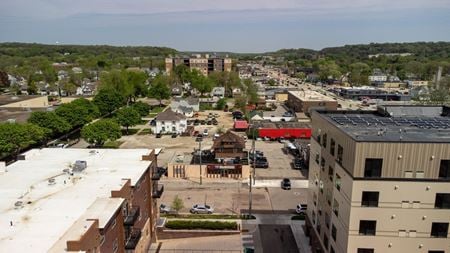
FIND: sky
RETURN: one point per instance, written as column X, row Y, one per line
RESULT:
column 251, row 26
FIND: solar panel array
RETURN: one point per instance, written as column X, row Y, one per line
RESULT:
column 370, row 120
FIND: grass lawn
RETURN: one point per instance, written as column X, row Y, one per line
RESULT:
column 156, row 109
column 131, row 131
column 145, row 131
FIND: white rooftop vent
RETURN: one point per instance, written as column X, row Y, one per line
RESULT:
column 51, row 181
column 79, row 166
column 18, row 205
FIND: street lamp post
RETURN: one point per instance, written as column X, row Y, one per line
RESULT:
column 200, row 157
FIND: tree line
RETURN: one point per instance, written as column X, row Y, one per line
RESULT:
column 43, row 126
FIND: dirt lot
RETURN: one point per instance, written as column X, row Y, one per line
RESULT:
column 172, row 147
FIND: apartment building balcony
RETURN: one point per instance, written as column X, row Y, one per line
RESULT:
column 132, row 239
column 157, row 193
column 158, row 173
column 132, row 216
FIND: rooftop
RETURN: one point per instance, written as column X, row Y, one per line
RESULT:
column 169, row 115
column 429, row 124
column 43, row 201
column 309, row 95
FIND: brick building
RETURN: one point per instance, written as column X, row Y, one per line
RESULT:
column 71, row 200
column 204, row 65
column 306, row 100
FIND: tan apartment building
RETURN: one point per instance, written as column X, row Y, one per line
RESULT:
column 379, row 181
column 204, row 65
column 80, row 200
column 307, row 100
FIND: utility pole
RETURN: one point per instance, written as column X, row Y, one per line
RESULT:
column 200, row 154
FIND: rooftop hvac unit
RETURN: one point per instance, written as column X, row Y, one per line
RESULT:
column 51, row 181
column 18, row 204
column 79, row 166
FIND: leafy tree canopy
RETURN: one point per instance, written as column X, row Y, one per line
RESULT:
column 128, row 116
column 101, row 131
column 108, row 100
column 54, row 124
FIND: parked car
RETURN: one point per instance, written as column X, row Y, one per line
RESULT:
column 298, row 163
column 165, row 209
column 202, row 209
column 174, row 135
column 205, row 132
column 261, row 163
column 158, row 135
column 286, row 184
column 301, row 209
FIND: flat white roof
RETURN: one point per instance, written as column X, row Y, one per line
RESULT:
column 50, row 209
column 309, row 95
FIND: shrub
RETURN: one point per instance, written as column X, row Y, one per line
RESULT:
column 207, row 225
column 298, row 217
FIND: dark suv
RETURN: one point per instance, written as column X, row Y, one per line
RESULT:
column 286, row 184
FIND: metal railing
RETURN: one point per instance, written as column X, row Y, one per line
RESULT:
column 157, row 193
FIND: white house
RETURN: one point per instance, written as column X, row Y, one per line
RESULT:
column 378, row 78
column 218, row 92
column 169, row 122
column 186, row 106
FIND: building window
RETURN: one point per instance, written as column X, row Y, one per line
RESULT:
column 370, row 199
column 439, row 229
column 442, row 201
column 324, row 141
column 327, row 220
column 444, row 169
column 322, row 163
column 315, row 199
column 373, row 167
column 365, row 250
column 337, row 183
column 330, row 172
column 340, row 154
column 367, row 227
column 333, row 232
column 332, row 146
column 335, row 207
column 113, row 224
column 317, row 159
column 319, row 139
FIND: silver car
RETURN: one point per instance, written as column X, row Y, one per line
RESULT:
column 164, row 209
column 202, row 209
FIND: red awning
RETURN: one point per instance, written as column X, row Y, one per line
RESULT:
column 240, row 124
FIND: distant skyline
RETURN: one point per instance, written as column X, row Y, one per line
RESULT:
column 233, row 25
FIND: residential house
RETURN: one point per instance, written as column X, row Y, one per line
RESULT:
column 237, row 92
column 177, row 90
column 170, row 122
column 218, row 92
column 229, row 145
column 185, row 106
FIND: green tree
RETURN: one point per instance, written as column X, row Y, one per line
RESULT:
column 271, row 82
column 159, row 88
column 15, row 137
column 55, row 124
column 78, row 112
column 108, row 100
column 202, row 83
column 118, row 80
column 142, row 108
column 359, row 74
column 128, row 116
column 177, row 204
column 221, row 103
column 251, row 91
column 101, row 131
column 137, row 81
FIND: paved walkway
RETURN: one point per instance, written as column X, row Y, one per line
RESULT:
column 276, row 219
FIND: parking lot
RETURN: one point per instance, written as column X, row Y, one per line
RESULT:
column 280, row 163
column 232, row 197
